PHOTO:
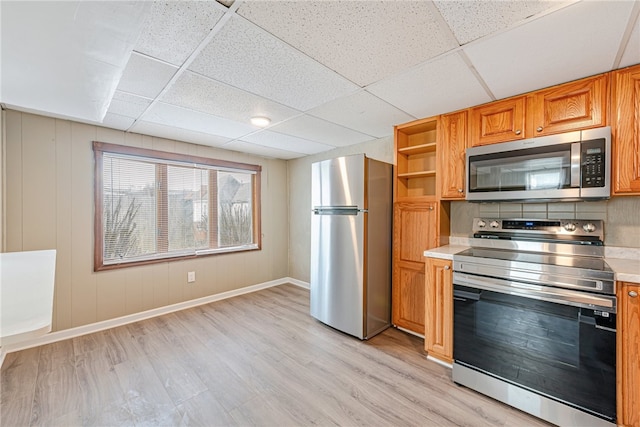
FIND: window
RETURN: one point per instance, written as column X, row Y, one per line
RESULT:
column 153, row 206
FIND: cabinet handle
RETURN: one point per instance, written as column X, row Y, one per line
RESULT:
column 518, row 132
column 430, row 208
column 446, row 267
column 633, row 294
column 539, row 128
column 460, row 190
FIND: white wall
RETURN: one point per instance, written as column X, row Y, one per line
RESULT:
column 49, row 205
column 300, row 199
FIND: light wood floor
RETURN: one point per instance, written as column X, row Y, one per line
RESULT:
column 256, row 359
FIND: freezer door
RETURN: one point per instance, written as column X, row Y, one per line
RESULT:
column 338, row 182
column 337, row 261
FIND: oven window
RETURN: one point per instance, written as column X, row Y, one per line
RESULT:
column 563, row 352
column 519, row 171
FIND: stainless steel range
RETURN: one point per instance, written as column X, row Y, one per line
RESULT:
column 535, row 319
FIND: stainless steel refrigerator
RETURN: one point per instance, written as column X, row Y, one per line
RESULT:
column 351, row 244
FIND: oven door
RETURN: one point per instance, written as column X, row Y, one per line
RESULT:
column 564, row 352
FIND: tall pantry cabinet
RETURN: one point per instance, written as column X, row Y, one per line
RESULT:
column 420, row 221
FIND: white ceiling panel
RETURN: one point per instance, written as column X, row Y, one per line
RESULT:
column 631, row 55
column 471, row 20
column 200, row 93
column 261, row 150
column 251, row 59
column 196, row 121
column 562, row 46
column 444, row 85
column 286, row 142
column 364, row 41
column 172, row 132
column 175, row 28
column 364, row 113
column 318, row 130
column 145, row 76
column 128, row 105
column 66, row 57
column 117, row 121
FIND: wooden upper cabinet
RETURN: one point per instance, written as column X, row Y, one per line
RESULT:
column 452, row 143
column 498, row 121
column 571, row 106
column 625, row 129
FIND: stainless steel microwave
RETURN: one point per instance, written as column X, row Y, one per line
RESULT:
column 569, row 166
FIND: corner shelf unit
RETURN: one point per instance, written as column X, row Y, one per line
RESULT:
column 416, row 160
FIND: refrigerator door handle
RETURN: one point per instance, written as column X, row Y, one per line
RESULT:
column 338, row 210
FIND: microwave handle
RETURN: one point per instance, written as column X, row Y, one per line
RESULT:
column 576, row 164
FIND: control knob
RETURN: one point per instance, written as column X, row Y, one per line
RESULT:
column 481, row 223
column 589, row 227
column 494, row 224
column 570, row 226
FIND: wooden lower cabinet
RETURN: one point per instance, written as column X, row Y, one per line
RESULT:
column 417, row 226
column 628, row 354
column 408, row 296
column 438, row 337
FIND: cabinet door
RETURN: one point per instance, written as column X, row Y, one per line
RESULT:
column 439, row 309
column 414, row 232
column 408, row 296
column 452, row 144
column 572, row 106
column 498, row 121
column 628, row 353
column 626, row 131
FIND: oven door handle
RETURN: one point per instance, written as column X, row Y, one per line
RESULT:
column 542, row 293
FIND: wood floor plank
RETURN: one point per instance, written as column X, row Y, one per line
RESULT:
column 258, row 359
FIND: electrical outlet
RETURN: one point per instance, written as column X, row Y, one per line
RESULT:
column 191, row 277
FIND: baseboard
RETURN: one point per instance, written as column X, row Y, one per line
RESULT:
column 440, row 362
column 131, row 318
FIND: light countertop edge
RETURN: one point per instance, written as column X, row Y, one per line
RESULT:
column 445, row 252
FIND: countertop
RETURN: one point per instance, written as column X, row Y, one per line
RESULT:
column 625, row 262
column 26, row 294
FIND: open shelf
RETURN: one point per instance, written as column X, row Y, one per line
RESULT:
column 416, row 146
column 419, row 174
column 418, row 149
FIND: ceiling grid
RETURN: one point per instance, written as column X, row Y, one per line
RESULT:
column 327, row 73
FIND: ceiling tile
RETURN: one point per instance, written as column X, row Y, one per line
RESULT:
column 244, row 56
column 200, row 93
column 364, row 41
column 364, row 113
column 318, row 130
column 128, row 105
column 117, row 121
column 286, row 142
column 66, row 58
column 631, row 54
column 196, row 121
column 145, row 76
column 470, row 20
column 172, row 132
column 562, row 46
column 437, row 87
column 260, row 150
column 174, row 29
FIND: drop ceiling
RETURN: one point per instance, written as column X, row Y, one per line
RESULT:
column 328, row 73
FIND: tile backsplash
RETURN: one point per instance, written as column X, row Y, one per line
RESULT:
column 561, row 210
column 621, row 216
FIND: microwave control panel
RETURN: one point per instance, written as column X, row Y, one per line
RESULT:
column 593, row 163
